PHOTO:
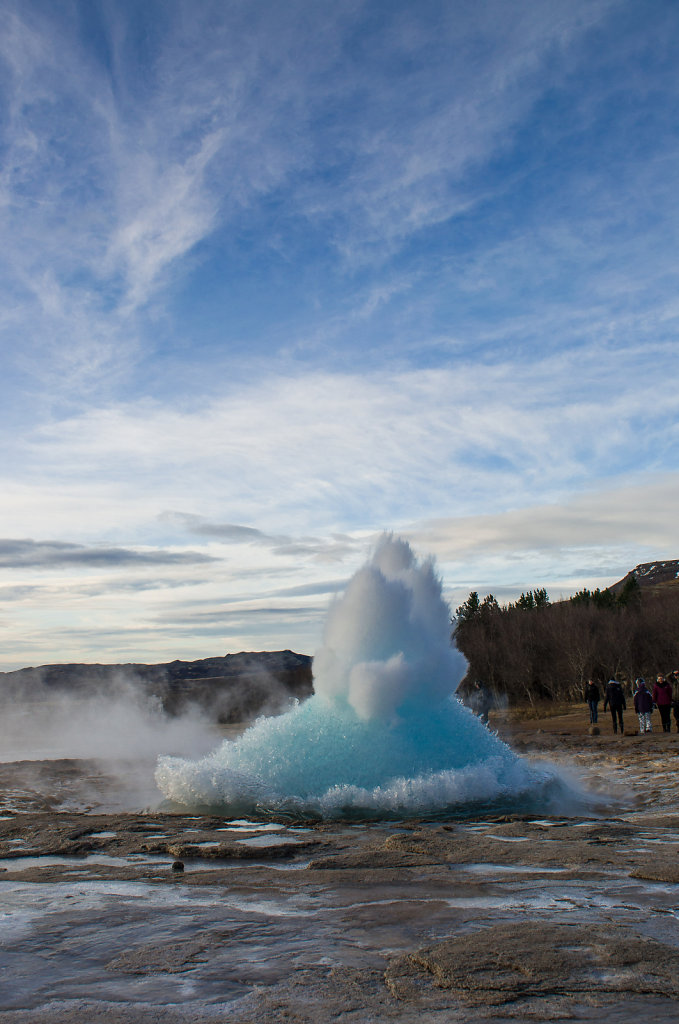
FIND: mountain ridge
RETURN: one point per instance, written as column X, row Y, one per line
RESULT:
column 649, row 575
column 230, row 688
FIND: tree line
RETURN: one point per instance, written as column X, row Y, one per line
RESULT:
column 533, row 650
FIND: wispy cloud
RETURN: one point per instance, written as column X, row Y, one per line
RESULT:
column 16, row 554
column 229, row 533
column 331, row 452
column 419, row 138
column 115, row 171
column 642, row 513
column 312, row 589
column 322, row 549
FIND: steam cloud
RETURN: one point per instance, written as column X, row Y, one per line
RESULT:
column 120, row 724
column 93, row 749
column 383, row 734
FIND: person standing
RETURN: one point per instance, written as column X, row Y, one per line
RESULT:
column 673, row 679
column 482, row 701
column 643, row 705
column 592, row 696
column 614, row 698
column 662, row 696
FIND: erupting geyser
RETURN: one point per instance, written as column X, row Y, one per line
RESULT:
column 383, row 734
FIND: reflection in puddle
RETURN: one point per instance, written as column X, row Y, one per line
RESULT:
column 138, row 860
column 539, row 902
column 561, row 823
column 243, row 825
column 219, row 864
column 489, row 869
column 50, row 860
column 297, row 865
column 510, row 839
column 268, row 841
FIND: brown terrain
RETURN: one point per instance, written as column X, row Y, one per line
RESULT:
column 570, row 915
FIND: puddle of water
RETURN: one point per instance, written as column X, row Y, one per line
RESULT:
column 269, row 840
column 539, row 901
column 510, row 839
column 297, row 865
column 242, row 825
column 191, row 864
column 219, row 864
column 653, row 837
column 542, row 902
column 26, row 863
column 519, row 869
column 546, row 823
column 273, row 908
column 362, row 825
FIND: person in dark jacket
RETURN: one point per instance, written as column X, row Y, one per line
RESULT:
column 662, row 696
column 592, row 696
column 643, row 705
column 614, row 699
column 482, row 701
column 673, row 678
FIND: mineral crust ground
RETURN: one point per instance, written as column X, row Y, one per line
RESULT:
column 497, row 918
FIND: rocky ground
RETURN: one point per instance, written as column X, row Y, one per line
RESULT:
column 493, row 918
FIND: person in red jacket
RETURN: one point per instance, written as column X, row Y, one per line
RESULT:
column 662, row 696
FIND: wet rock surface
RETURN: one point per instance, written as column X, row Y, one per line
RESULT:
column 496, row 917
column 537, row 967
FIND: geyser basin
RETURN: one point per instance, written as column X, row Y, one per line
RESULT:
column 382, row 736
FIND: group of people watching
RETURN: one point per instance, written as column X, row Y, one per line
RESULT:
column 664, row 696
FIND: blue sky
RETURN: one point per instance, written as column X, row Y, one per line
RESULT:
column 276, row 277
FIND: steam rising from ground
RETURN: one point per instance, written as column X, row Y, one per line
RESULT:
column 94, row 749
column 382, row 735
column 122, row 723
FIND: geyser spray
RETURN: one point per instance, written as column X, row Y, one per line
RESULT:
column 383, row 735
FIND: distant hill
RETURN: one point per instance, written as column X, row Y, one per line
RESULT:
column 649, row 575
column 232, row 688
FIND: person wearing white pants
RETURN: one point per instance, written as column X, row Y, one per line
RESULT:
column 643, row 705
